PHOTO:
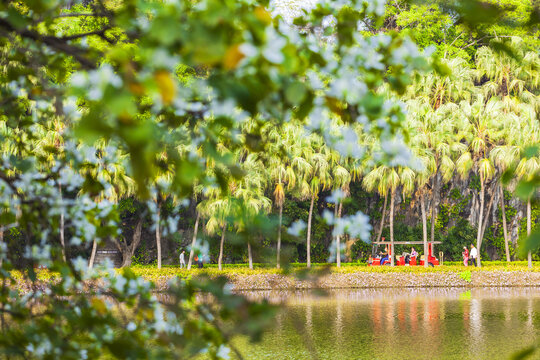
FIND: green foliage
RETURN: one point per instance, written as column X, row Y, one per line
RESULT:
column 122, row 112
column 465, row 275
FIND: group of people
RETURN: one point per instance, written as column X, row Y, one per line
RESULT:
column 385, row 255
column 196, row 258
column 472, row 255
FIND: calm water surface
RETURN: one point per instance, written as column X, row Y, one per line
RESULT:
column 400, row 324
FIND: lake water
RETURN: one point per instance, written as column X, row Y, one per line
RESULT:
column 400, row 324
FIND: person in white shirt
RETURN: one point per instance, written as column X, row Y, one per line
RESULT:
column 473, row 254
column 182, row 260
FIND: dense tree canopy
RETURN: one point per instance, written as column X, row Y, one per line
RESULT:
column 227, row 110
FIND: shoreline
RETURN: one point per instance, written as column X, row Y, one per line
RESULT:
column 366, row 280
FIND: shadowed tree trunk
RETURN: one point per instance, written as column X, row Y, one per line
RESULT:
column 382, row 218
column 279, row 235
column 308, row 243
column 62, row 241
column 505, row 230
column 194, row 241
column 221, row 246
column 1, row 242
column 128, row 250
column 392, row 227
column 338, row 238
column 480, row 221
column 424, row 227
column 433, row 205
column 250, row 257
column 484, row 225
column 93, row 254
column 158, row 233
column 529, row 255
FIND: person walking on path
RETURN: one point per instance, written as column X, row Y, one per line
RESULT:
column 473, row 254
column 182, row 259
column 465, row 255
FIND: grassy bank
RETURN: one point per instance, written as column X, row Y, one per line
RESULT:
column 350, row 275
column 235, row 270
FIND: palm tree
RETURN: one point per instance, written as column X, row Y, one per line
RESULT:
column 509, row 76
column 118, row 185
column 216, row 207
column 484, row 135
column 250, row 194
column 386, row 179
column 528, row 167
column 282, row 170
column 438, row 89
column 341, row 179
column 437, row 135
column 504, row 157
column 317, row 180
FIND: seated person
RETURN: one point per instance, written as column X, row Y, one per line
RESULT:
column 413, row 253
column 384, row 255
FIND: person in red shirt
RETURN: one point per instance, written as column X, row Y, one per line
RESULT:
column 465, row 255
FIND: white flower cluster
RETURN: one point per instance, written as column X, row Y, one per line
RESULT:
column 296, row 228
column 332, row 249
column 356, row 225
column 95, row 81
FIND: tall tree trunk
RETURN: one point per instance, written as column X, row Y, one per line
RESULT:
column 335, row 219
column 194, row 240
column 93, row 254
column 424, row 228
column 250, row 257
column 488, row 211
column 480, row 219
column 338, row 239
column 1, row 242
column 505, row 230
column 221, row 246
column 433, row 204
column 392, row 227
column 158, row 233
column 308, row 242
column 129, row 250
column 382, row 218
column 529, row 255
column 279, row 235
column 62, row 241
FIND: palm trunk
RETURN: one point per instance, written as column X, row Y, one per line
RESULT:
column 1, row 244
column 424, row 228
column 486, row 216
column 505, row 230
column 480, row 219
column 392, row 227
column 338, row 239
column 529, row 255
column 250, row 257
column 433, row 206
column 382, row 218
column 194, row 240
column 62, row 241
column 158, row 235
column 279, row 234
column 93, row 254
column 308, row 242
column 335, row 219
column 221, row 246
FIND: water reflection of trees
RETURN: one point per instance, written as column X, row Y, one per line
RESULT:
column 418, row 323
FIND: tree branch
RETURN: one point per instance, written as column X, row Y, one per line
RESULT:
column 56, row 43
